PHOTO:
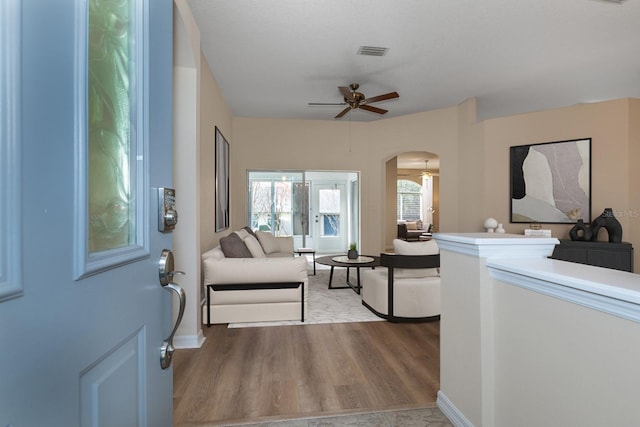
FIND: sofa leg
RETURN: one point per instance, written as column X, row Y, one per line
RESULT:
column 208, row 306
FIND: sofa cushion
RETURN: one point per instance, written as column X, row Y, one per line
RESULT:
column 242, row 233
column 254, row 247
column 268, row 241
column 250, row 231
column 251, row 243
column 255, row 270
column 233, row 247
column 401, row 247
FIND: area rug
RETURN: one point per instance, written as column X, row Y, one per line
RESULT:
column 327, row 305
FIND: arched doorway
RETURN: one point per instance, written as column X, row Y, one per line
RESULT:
column 413, row 191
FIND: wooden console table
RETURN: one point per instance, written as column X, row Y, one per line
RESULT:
column 618, row 256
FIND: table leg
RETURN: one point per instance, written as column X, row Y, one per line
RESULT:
column 314, row 263
column 330, row 277
column 358, row 285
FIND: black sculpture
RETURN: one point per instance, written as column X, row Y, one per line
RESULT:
column 580, row 231
column 607, row 219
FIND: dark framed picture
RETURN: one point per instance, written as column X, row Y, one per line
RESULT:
column 222, row 181
column 551, row 182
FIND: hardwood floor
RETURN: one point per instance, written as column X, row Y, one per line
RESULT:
column 280, row 372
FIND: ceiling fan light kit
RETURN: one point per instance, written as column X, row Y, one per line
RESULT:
column 354, row 99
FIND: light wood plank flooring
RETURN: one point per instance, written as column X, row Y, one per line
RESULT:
column 281, row 372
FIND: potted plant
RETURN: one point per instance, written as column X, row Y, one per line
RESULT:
column 352, row 253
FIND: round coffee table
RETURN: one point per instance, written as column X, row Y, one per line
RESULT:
column 343, row 261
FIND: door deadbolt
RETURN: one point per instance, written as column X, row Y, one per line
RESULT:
column 167, row 213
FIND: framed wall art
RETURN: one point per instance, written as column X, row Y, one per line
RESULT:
column 222, row 181
column 551, row 182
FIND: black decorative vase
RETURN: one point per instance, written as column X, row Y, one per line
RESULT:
column 580, row 231
column 352, row 254
column 607, row 220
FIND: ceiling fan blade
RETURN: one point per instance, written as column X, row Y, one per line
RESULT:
column 346, row 92
column 373, row 109
column 326, row 103
column 384, row 97
column 342, row 113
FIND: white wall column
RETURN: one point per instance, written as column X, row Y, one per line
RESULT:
column 531, row 341
column 466, row 393
column 186, row 176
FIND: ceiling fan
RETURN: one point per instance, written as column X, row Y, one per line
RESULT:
column 355, row 99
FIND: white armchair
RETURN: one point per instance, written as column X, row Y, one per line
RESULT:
column 408, row 289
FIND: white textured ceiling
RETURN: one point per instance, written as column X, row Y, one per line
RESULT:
column 272, row 57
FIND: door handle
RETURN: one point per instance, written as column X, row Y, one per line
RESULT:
column 166, row 273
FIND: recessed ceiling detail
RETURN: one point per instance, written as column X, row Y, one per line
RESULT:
column 373, row 51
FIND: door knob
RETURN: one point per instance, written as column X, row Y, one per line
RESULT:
column 166, row 273
column 166, row 270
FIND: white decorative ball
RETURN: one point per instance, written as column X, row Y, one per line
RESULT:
column 490, row 224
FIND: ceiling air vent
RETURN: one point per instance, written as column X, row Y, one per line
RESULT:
column 373, row 51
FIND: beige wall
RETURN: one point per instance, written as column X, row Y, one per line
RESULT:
column 609, row 126
column 198, row 105
column 553, row 358
column 474, row 158
column 213, row 112
column 343, row 145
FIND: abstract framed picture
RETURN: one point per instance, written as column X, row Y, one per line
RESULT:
column 222, row 181
column 551, row 182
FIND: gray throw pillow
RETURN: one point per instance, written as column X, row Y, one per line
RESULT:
column 233, row 247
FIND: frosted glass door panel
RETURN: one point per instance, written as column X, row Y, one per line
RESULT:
column 111, row 125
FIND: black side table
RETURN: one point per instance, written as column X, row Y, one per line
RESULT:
column 302, row 251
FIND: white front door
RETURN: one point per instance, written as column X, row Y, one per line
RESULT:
column 85, row 128
column 330, row 218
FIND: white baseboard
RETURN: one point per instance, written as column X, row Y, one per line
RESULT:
column 189, row 341
column 449, row 409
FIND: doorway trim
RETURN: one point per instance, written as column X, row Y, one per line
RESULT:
column 10, row 151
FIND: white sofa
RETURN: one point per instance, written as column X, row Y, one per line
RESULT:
column 254, row 289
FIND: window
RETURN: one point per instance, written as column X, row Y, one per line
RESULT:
column 278, row 203
column 329, row 209
column 409, row 203
column 318, row 208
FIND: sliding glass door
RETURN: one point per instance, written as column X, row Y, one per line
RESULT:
column 319, row 209
column 278, row 202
